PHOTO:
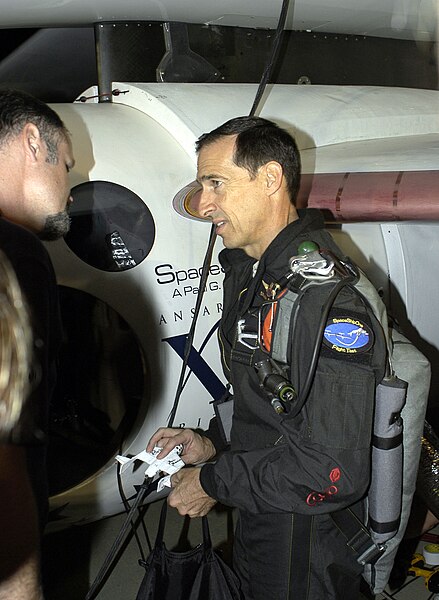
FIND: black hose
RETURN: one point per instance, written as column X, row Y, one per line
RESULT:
column 273, row 57
column 304, row 392
column 118, row 546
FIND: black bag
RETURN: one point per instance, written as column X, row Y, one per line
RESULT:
column 198, row 574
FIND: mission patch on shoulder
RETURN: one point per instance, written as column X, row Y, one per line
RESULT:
column 347, row 334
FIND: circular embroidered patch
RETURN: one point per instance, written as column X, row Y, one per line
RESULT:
column 347, row 335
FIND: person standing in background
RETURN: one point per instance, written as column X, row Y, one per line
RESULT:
column 35, row 159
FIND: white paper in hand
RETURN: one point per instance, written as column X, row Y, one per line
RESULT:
column 170, row 464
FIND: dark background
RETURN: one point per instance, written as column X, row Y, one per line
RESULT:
column 57, row 65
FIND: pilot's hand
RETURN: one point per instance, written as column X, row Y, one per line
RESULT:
column 196, row 448
column 187, row 495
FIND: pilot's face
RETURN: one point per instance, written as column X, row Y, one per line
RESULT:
column 47, row 191
column 232, row 200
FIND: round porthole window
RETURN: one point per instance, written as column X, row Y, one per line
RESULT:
column 112, row 229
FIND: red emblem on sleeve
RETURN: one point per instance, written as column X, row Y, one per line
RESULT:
column 335, row 475
column 317, row 497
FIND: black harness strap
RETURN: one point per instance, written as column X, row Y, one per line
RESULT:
column 357, row 536
column 300, row 563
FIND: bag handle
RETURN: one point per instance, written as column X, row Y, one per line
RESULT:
column 207, row 541
column 162, row 523
column 206, row 533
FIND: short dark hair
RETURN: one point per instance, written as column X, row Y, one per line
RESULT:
column 18, row 108
column 258, row 141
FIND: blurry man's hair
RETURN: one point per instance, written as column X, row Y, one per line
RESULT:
column 15, row 348
column 18, row 108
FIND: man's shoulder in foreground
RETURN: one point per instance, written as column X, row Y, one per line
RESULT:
column 23, row 248
column 13, row 235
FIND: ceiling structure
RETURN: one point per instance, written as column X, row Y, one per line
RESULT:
column 403, row 19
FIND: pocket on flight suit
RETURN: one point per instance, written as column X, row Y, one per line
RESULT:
column 339, row 410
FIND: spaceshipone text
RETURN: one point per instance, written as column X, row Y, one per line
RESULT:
column 185, row 280
column 185, row 283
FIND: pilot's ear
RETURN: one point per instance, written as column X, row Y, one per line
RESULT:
column 273, row 176
column 32, row 142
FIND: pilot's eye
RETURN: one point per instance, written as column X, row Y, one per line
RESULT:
column 216, row 183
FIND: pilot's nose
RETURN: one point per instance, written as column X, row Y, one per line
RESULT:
column 205, row 203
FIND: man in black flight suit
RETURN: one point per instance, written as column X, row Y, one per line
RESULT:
column 283, row 472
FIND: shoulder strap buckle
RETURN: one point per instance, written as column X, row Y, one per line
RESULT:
column 252, row 337
column 312, row 265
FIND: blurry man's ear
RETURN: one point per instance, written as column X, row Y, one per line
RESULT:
column 32, row 141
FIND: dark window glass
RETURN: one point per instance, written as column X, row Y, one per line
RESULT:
column 101, row 389
column 112, row 228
